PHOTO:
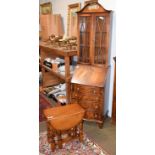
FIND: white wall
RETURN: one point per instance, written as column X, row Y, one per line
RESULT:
column 110, row 77
column 61, row 7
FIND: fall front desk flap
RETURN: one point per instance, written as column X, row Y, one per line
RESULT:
column 90, row 75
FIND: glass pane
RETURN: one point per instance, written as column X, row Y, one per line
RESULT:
column 100, row 40
column 84, row 39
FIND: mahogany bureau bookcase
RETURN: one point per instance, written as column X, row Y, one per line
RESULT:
column 88, row 81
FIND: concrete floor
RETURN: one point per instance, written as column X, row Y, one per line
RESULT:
column 106, row 137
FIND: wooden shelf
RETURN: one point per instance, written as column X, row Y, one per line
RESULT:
column 51, row 77
column 58, row 74
column 56, row 51
column 50, row 80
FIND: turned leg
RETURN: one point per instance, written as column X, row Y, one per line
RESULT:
column 73, row 132
column 52, row 140
column 81, row 131
column 100, row 124
column 59, row 139
column 50, row 135
column 76, row 131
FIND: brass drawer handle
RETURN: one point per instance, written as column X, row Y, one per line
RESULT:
column 95, row 116
column 96, row 107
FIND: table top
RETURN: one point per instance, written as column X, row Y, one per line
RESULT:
column 64, row 117
column 56, row 50
column 82, row 75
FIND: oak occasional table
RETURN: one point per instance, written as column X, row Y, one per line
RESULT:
column 64, row 123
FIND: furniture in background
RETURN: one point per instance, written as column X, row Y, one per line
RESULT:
column 114, row 97
column 88, row 91
column 88, row 82
column 93, row 34
column 51, row 77
column 64, row 124
column 50, row 24
column 46, row 8
column 72, row 19
column 89, row 1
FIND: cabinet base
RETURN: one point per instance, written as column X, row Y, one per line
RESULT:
column 100, row 125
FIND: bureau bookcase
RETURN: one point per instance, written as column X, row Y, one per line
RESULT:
column 88, row 82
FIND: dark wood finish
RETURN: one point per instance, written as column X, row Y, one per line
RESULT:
column 64, row 120
column 88, row 82
column 47, row 50
column 114, row 97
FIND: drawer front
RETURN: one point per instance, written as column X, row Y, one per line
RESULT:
column 93, row 115
column 93, row 110
column 86, row 92
column 86, row 89
column 90, row 98
column 90, row 104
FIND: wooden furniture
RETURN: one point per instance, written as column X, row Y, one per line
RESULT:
column 88, row 82
column 93, row 34
column 64, row 123
column 72, row 19
column 90, row 1
column 114, row 97
column 88, row 91
column 51, row 77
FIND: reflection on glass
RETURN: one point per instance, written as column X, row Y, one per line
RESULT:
column 84, row 39
column 99, row 55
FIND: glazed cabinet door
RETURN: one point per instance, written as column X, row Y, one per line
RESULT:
column 101, row 39
column 84, row 26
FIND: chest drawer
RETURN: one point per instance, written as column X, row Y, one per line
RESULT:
column 87, row 89
column 93, row 114
column 90, row 98
column 91, row 105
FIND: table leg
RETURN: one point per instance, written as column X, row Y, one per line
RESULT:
column 59, row 139
column 67, row 77
column 81, row 132
column 51, row 136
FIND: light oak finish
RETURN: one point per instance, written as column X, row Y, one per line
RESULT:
column 64, row 120
column 50, row 79
column 56, row 51
column 47, row 50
